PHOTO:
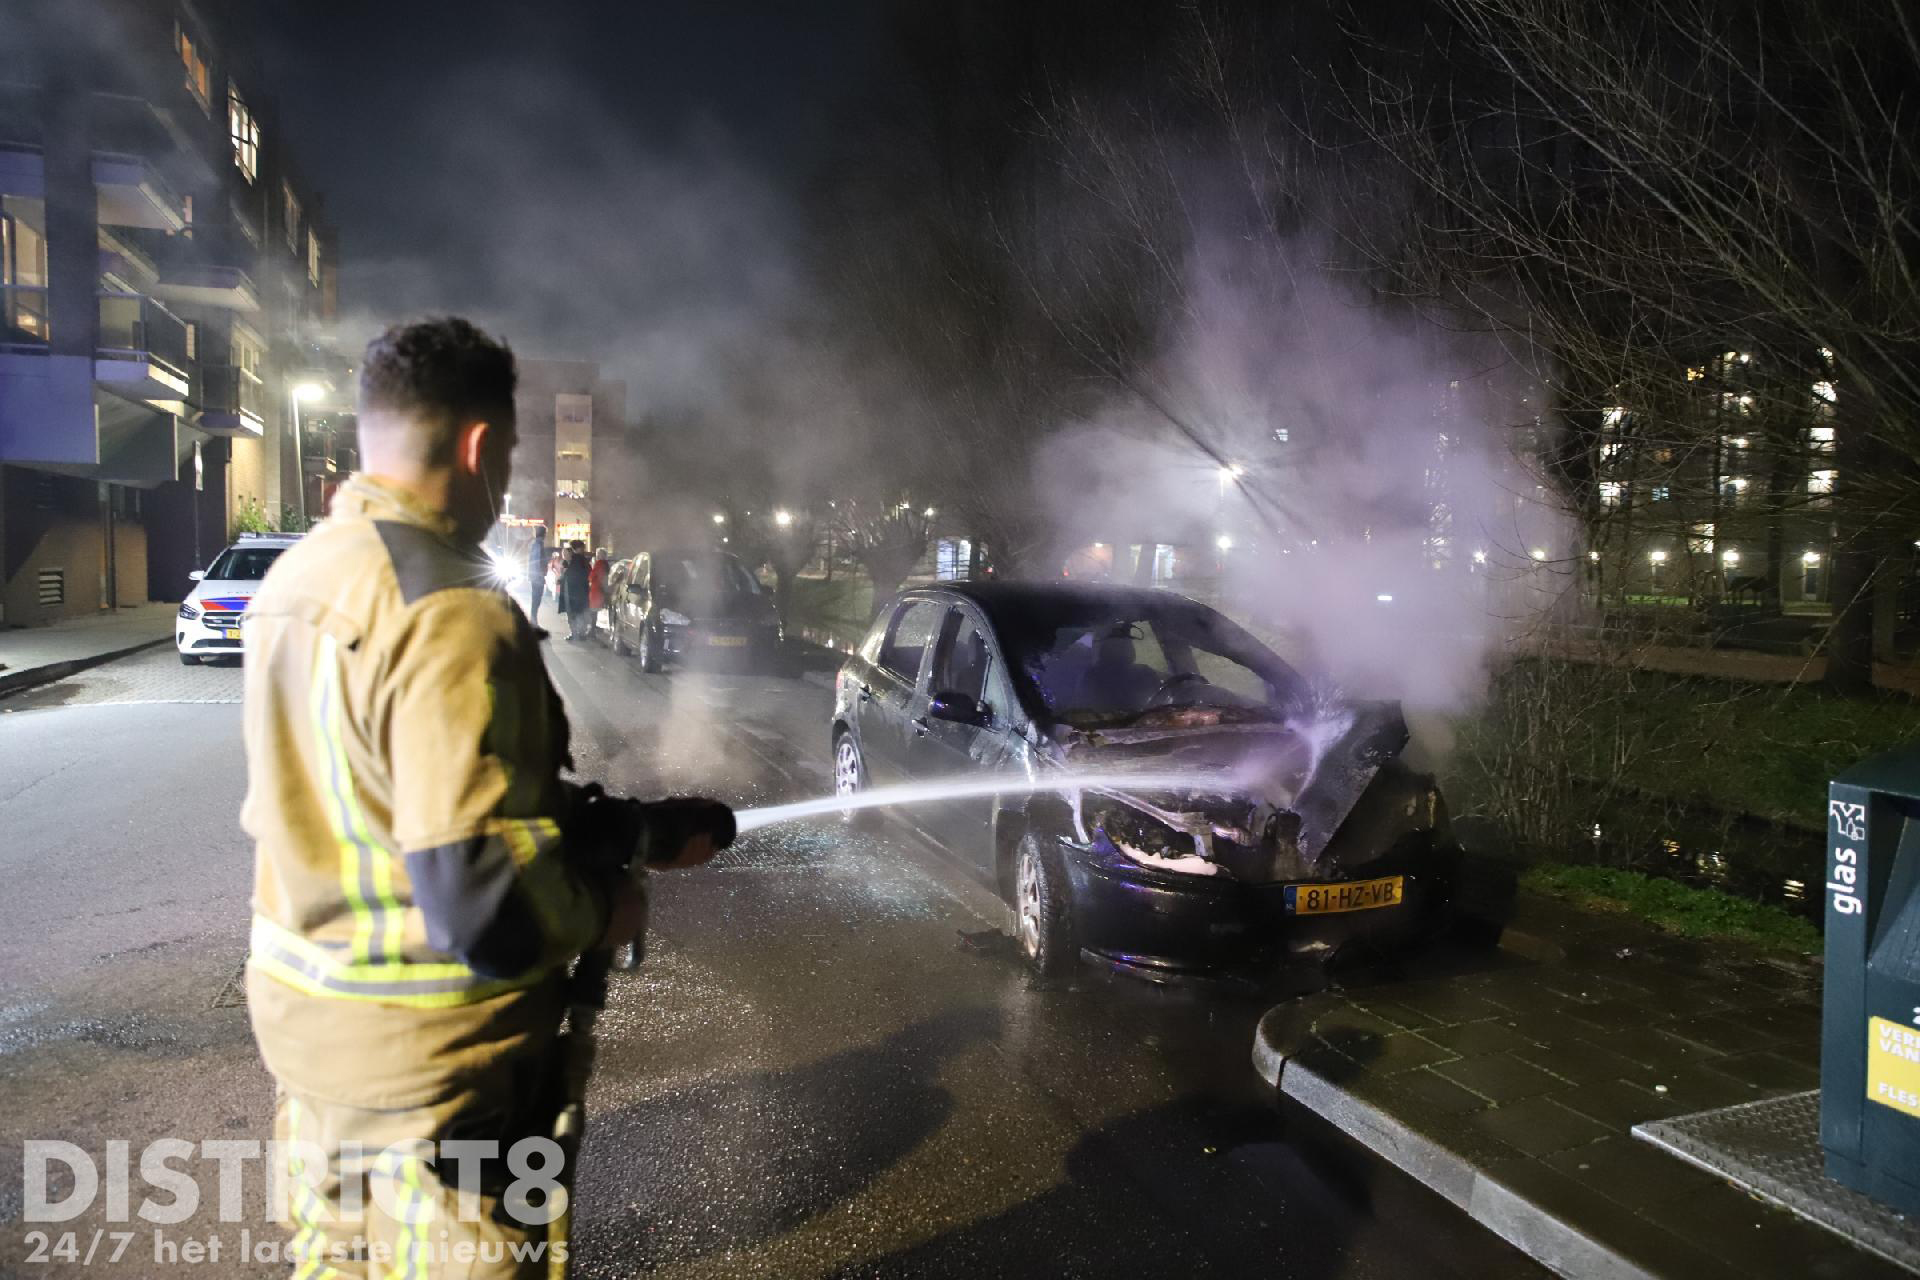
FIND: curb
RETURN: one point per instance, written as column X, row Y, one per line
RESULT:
column 33, row 677
column 1532, row 1228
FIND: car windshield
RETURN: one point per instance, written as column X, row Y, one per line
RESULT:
column 237, row 564
column 1096, row 663
column 701, row 574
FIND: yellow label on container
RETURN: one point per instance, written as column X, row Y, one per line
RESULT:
column 1893, row 1065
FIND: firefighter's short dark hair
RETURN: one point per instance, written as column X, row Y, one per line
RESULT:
column 437, row 374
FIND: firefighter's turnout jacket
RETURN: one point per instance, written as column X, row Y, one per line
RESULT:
column 413, row 907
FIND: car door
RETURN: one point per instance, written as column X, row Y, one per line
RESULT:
column 633, row 604
column 965, row 665
column 885, row 700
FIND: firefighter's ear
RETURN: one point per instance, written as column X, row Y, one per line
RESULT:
column 471, row 447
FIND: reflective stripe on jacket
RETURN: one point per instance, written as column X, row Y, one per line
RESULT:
column 403, row 750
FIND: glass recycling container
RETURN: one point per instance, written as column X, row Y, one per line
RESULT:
column 1870, row 1030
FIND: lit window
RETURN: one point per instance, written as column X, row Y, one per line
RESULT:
column 245, row 133
column 194, row 59
column 1695, row 373
column 1821, row 438
column 1700, row 540
column 1280, row 435
column 1610, row 451
column 1611, row 492
column 290, row 215
column 313, row 256
column 1613, row 415
column 952, row 558
column 1662, row 493
column 1826, row 391
column 1821, row 482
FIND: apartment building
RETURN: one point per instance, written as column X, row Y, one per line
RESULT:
column 574, row 472
column 164, row 270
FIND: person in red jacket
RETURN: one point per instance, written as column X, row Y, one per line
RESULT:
column 597, row 583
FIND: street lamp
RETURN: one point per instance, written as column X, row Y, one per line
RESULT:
column 783, row 518
column 1223, row 542
column 719, row 517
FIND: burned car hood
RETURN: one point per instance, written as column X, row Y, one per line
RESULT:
column 1274, row 797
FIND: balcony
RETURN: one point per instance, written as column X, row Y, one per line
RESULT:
column 233, row 401
column 142, row 349
column 23, row 317
column 208, row 286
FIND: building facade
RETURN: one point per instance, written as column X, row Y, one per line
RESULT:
column 573, row 471
column 164, row 270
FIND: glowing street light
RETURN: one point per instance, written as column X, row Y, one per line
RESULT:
column 1538, row 553
column 1223, row 542
column 1657, row 557
column 308, row 392
column 1479, row 557
column 783, row 518
column 1810, row 558
column 928, row 513
column 1730, row 557
column 719, row 517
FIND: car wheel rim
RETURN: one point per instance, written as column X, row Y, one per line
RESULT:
column 1029, row 904
column 846, row 769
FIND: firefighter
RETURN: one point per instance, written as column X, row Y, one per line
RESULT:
column 423, row 876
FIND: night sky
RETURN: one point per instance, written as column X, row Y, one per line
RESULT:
column 581, row 174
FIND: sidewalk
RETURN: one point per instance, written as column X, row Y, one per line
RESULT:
column 1510, row 1085
column 32, row 656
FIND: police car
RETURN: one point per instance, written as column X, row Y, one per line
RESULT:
column 209, row 621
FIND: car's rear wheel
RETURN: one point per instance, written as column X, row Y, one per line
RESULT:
column 189, row 660
column 850, row 777
column 649, row 650
column 1043, row 908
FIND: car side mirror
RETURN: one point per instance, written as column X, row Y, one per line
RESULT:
column 197, row 575
column 958, row 708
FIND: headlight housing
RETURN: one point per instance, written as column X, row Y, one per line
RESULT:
column 674, row 618
column 189, row 612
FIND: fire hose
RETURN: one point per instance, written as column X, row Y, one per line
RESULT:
column 623, row 837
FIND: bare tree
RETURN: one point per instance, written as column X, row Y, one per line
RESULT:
column 1657, row 183
column 888, row 537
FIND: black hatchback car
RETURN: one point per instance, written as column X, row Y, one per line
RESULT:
column 1304, row 832
column 674, row 605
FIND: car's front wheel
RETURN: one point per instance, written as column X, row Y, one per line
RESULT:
column 850, row 777
column 1043, row 908
column 188, row 659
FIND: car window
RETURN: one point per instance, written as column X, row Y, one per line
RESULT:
column 912, row 627
column 960, row 664
column 703, row 573
column 237, row 564
column 1094, row 663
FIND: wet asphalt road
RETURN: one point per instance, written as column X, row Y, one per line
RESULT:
column 830, row 1065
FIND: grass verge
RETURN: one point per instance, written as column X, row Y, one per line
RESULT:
column 1676, row 907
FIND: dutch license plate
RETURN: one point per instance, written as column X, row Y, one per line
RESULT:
column 1356, row 895
column 232, row 633
column 727, row 642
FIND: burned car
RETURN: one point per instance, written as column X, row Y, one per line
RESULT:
column 1232, row 811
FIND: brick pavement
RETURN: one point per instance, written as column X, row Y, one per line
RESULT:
column 1516, row 1079
column 154, row 675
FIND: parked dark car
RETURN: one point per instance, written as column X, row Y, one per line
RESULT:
column 671, row 605
column 1322, row 838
